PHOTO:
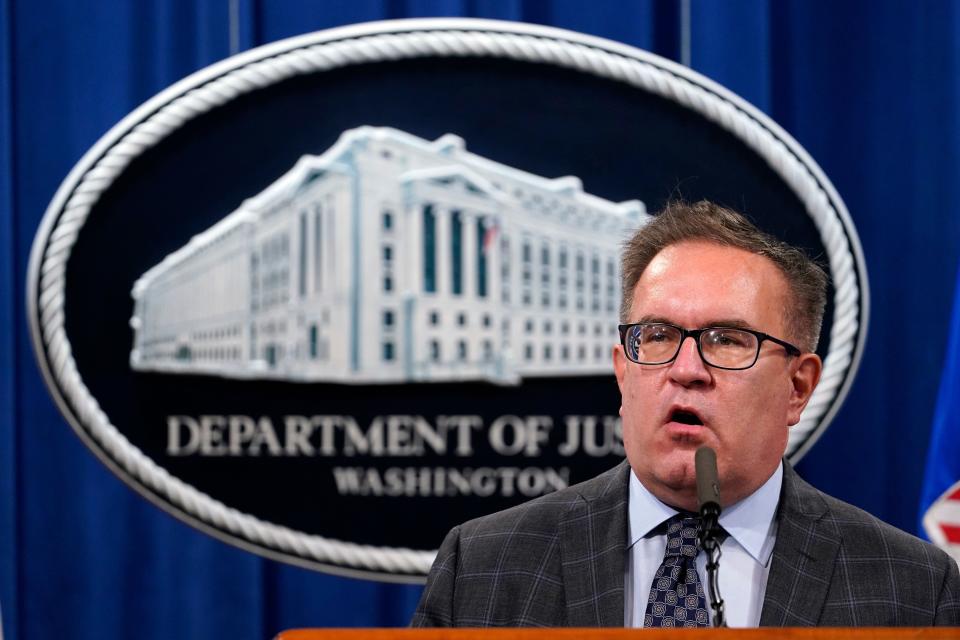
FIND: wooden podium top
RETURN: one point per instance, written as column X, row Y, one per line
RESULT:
column 788, row 633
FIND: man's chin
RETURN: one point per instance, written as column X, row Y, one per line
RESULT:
column 676, row 483
column 680, row 481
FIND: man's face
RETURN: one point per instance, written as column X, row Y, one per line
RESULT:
column 745, row 414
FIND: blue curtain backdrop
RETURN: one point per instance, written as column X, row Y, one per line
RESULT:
column 869, row 88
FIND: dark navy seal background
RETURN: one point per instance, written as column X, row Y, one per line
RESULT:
column 627, row 148
column 869, row 89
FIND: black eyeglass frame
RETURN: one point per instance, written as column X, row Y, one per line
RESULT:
column 695, row 334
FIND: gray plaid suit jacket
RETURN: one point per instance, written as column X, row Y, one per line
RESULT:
column 559, row 561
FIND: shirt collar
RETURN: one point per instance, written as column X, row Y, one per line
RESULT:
column 749, row 522
column 645, row 511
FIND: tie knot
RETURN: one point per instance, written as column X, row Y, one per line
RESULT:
column 682, row 536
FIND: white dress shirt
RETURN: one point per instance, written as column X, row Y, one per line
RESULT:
column 744, row 566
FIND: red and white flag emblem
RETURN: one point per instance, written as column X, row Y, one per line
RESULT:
column 942, row 521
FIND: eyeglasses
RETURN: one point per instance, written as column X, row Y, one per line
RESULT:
column 720, row 347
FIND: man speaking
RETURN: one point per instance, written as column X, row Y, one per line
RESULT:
column 720, row 324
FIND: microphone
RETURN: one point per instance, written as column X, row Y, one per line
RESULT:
column 708, row 498
column 708, row 484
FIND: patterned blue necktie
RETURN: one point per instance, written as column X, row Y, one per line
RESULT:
column 676, row 596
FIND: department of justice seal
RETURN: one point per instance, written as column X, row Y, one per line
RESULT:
column 326, row 299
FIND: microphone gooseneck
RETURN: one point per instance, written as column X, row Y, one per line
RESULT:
column 708, row 499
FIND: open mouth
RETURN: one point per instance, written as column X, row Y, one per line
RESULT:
column 682, row 416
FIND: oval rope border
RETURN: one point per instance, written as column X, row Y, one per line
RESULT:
column 395, row 40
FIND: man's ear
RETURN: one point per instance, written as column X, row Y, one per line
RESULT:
column 806, row 375
column 619, row 365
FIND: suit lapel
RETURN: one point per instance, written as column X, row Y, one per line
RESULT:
column 803, row 556
column 593, row 537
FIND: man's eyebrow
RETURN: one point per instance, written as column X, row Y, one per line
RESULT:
column 733, row 323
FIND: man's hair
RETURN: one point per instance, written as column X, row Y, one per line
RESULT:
column 705, row 221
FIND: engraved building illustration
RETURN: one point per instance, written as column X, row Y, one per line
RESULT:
column 392, row 259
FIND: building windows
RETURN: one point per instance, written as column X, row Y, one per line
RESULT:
column 545, row 275
column 505, row 269
column 486, row 320
column 387, row 220
column 595, row 283
column 482, row 243
column 302, row 279
column 434, row 318
column 388, row 318
column 331, row 236
column 461, row 319
column 271, row 355
column 254, row 282
column 273, row 283
column 313, row 341
column 284, row 284
column 579, row 280
column 387, row 267
column 462, row 350
column 528, row 352
column 487, row 351
column 611, row 284
column 429, row 249
column 562, row 278
column 526, row 271
column 388, row 352
column 456, row 253
column 435, row 350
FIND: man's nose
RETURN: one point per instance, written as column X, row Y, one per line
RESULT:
column 689, row 368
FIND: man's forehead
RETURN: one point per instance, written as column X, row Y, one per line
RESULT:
column 712, row 285
column 705, row 259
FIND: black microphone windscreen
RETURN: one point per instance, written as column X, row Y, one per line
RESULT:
column 708, row 484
